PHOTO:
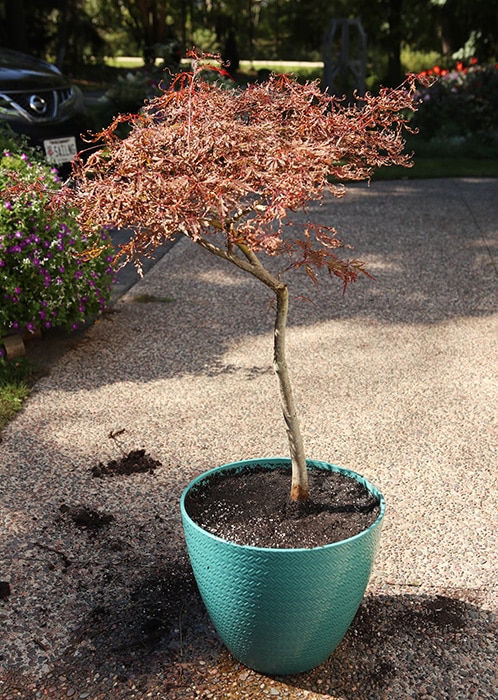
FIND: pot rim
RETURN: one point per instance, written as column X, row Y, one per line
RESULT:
column 284, row 461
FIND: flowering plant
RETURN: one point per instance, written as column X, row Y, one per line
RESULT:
column 462, row 101
column 44, row 279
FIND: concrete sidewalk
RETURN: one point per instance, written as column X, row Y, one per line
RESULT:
column 397, row 380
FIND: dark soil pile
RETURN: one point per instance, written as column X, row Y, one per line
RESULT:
column 86, row 518
column 134, row 462
column 252, row 507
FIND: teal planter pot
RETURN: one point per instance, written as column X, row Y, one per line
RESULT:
column 281, row 611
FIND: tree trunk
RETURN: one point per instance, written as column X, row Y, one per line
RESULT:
column 62, row 34
column 15, row 20
column 445, row 32
column 299, row 486
column 251, row 263
column 394, row 43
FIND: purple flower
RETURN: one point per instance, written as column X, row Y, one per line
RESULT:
column 8, row 206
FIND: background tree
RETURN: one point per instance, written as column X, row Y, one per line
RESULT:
column 76, row 31
column 68, row 32
column 146, row 20
column 13, row 25
column 468, row 27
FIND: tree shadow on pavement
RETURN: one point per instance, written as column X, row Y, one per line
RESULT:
column 409, row 645
column 158, row 642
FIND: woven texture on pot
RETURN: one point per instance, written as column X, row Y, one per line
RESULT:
column 281, row 611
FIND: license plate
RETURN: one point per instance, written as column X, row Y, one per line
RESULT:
column 60, row 150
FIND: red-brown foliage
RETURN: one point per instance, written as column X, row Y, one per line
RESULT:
column 227, row 167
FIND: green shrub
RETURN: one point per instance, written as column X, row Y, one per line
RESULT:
column 130, row 91
column 461, row 103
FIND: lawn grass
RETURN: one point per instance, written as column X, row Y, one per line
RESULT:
column 16, row 379
column 425, row 167
column 473, row 156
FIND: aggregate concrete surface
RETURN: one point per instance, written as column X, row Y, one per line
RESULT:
column 397, row 379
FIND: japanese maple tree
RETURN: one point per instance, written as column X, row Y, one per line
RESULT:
column 227, row 168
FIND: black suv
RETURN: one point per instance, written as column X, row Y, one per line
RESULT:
column 38, row 101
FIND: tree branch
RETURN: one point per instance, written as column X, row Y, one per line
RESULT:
column 250, row 263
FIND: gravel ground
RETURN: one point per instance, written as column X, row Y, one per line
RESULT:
column 398, row 380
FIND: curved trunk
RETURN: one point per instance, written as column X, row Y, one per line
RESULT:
column 251, row 263
column 299, row 487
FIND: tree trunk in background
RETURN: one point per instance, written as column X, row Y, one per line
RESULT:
column 16, row 34
column 395, row 37
column 63, row 34
column 445, row 32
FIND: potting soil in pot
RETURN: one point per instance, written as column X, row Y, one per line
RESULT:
column 252, row 507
